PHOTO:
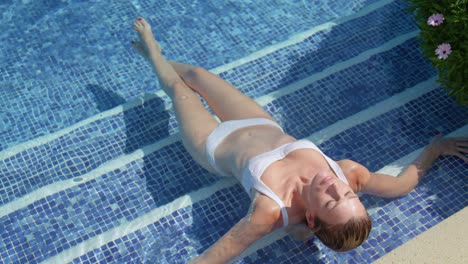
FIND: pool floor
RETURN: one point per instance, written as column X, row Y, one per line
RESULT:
column 92, row 169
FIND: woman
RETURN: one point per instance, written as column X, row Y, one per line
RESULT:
column 291, row 181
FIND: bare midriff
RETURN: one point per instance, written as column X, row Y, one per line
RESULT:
column 235, row 151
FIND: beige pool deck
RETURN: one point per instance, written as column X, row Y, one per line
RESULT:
column 447, row 242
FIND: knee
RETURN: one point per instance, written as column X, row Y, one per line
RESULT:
column 177, row 85
column 194, row 74
column 178, row 90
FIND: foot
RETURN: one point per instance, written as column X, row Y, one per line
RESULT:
column 147, row 42
column 142, row 50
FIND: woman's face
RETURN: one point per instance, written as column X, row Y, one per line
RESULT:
column 332, row 201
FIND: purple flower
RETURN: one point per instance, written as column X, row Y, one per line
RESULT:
column 435, row 20
column 443, row 50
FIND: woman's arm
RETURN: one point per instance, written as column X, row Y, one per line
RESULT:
column 261, row 220
column 233, row 243
column 389, row 186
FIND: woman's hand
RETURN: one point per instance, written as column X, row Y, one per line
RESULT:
column 451, row 147
column 388, row 186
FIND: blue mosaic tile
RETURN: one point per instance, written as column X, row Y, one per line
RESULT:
column 441, row 113
column 134, row 120
column 72, row 216
column 206, row 225
column 120, row 203
column 327, row 94
column 139, row 135
column 320, row 50
column 50, row 81
column 166, row 173
column 396, row 222
column 383, row 238
column 46, row 67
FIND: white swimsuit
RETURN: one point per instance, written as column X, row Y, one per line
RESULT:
column 251, row 175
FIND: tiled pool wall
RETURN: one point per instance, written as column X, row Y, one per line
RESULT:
column 91, row 145
column 113, row 171
column 64, row 55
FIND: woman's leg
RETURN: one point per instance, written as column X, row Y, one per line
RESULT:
column 225, row 100
column 195, row 122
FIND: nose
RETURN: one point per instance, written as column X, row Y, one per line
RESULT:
column 332, row 190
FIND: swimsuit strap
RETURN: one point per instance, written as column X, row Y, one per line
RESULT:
column 261, row 187
column 251, row 177
column 305, row 143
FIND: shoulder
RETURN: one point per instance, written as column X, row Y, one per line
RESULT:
column 356, row 174
column 265, row 211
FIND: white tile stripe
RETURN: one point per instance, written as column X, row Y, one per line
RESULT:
column 301, row 36
column 47, row 138
column 138, row 154
column 392, row 169
column 373, row 111
column 187, row 200
column 107, row 167
column 263, row 100
column 160, row 94
column 126, row 228
column 397, row 166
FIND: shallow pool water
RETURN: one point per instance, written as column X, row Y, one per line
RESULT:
column 91, row 164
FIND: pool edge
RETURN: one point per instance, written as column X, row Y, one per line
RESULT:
column 443, row 243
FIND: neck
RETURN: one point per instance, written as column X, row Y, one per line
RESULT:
column 303, row 186
column 302, row 170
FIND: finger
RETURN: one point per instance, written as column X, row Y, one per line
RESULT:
column 462, row 157
column 459, row 139
column 462, row 150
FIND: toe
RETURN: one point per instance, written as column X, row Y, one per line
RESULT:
column 141, row 21
column 138, row 25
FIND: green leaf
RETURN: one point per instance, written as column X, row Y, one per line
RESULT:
column 453, row 72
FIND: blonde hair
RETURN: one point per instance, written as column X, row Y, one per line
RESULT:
column 343, row 237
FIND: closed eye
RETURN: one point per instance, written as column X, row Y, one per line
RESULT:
column 329, row 204
column 348, row 194
column 351, row 195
